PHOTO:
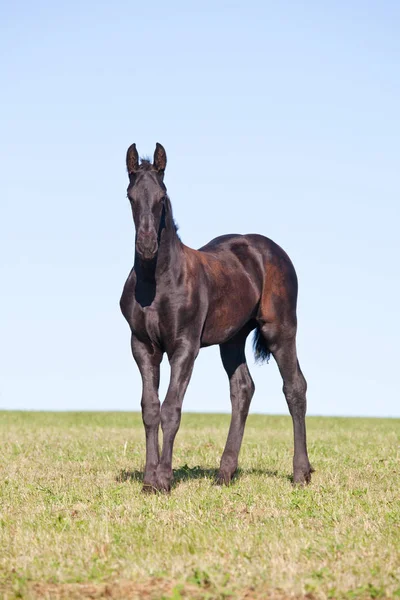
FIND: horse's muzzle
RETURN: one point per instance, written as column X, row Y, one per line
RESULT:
column 147, row 244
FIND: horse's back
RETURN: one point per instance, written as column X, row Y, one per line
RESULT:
column 253, row 243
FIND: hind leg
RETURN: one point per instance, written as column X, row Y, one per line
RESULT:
column 242, row 390
column 283, row 349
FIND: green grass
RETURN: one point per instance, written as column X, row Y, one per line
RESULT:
column 74, row 524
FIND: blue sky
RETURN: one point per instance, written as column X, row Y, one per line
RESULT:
column 277, row 118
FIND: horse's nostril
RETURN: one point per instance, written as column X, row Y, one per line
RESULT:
column 147, row 246
column 147, row 241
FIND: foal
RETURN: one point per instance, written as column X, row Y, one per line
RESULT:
column 178, row 300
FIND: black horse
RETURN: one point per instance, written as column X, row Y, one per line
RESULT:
column 178, row 300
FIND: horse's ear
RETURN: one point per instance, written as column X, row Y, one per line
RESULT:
column 132, row 160
column 160, row 158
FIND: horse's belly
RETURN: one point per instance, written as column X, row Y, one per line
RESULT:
column 225, row 320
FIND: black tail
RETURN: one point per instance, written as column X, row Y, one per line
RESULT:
column 261, row 351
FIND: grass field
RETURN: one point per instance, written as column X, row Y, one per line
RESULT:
column 74, row 524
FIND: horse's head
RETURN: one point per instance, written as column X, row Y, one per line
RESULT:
column 146, row 193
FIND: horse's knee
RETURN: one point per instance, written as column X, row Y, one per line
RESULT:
column 151, row 413
column 170, row 417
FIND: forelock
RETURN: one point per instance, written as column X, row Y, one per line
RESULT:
column 146, row 164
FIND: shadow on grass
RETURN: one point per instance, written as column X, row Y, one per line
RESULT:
column 186, row 473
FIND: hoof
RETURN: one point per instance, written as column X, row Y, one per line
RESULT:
column 223, row 478
column 150, row 482
column 163, row 481
column 302, row 475
column 149, row 488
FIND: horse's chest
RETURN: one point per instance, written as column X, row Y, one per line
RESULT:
column 144, row 321
column 152, row 324
column 146, row 324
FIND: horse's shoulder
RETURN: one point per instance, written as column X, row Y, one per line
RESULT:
column 128, row 294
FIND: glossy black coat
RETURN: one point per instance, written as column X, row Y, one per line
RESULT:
column 178, row 300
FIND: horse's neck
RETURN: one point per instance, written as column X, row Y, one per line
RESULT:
column 170, row 254
column 168, row 263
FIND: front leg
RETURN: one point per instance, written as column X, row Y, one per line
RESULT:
column 148, row 359
column 182, row 362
